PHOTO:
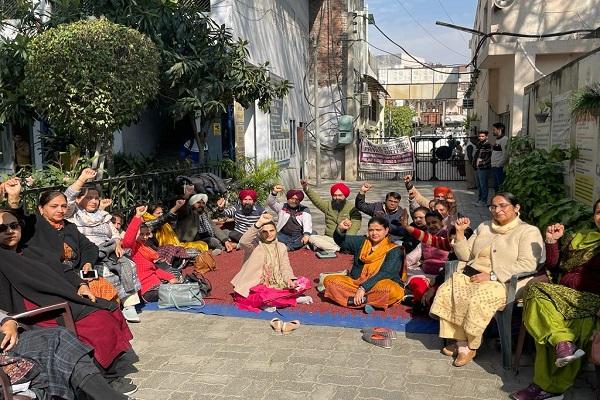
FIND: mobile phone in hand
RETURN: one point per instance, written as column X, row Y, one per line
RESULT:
column 93, row 274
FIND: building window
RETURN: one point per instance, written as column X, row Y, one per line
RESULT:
column 280, row 132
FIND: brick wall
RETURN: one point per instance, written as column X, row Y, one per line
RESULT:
column 328, row 23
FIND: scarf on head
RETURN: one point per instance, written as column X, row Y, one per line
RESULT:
column 272, row 276
column 581, row 248
column 373, row 257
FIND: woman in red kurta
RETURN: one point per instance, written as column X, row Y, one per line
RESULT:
column 144, row 256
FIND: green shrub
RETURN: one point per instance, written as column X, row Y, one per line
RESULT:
column 91, row 77
column 245, row 173
column 535, row 176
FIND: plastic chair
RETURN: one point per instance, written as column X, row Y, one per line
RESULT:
column 67, row 319
column 503, row 317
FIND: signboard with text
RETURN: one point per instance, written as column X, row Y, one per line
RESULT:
column 395, row 155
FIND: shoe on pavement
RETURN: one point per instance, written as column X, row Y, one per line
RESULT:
column 450, row 350
column 534, row 392
column 131, row 314
column 463, row 358
column 123, row 387
column 566, row 353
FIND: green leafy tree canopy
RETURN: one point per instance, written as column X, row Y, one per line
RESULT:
column 399, row 120
column 91, row 77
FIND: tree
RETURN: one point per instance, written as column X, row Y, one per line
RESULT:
column 203, row 69
column 90, row 78
column 399, row 120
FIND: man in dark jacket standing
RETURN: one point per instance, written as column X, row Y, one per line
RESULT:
column 482, row 162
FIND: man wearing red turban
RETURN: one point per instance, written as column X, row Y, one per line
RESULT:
column 336, row 210
column 416, row 199
column 245, row 214
column 294, row 222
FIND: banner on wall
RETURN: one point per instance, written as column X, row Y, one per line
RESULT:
column 395, row 155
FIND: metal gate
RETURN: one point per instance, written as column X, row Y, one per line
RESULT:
column 438, row 158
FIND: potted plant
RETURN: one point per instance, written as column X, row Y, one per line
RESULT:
column 544, row 108
column 586, row 101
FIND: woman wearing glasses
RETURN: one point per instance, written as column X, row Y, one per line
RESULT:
column 498, row 249
column 30, row 282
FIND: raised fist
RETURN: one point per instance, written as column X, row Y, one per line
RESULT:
column 12, row 187
column 304, row 183
column 462, row 224
column 277, row 189
column 221, row 202
column 365, row 187
column 188, row 190
column 87, row 174
column 265, row 218
column 105, row 203
column 140, row 211
column 554, row 232
column 345, row 225
column 407, row 178
column 179, row 203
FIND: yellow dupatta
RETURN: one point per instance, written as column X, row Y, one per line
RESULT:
column 373, row 257
column 165, row 235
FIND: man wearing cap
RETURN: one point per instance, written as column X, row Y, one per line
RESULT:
column 294, row 222
column 194, row 221
column 336, row 210
column 245, row 214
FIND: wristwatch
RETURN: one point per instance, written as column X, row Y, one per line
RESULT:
column 493, row 276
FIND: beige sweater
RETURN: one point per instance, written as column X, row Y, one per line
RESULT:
column 254, row 261
column 519, row 250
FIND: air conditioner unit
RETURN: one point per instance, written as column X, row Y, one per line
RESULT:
column 504, row 3
column 365, row 99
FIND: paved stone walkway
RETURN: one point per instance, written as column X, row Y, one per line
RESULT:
column 187, row 356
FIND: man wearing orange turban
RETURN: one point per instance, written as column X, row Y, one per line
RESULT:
column 336, row 210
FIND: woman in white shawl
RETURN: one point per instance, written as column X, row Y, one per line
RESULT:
column 266, row 280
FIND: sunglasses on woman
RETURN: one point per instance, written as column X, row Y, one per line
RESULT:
column 13, row 226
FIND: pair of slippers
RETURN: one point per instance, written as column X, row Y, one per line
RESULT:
column 379, row 336
column 284, row 328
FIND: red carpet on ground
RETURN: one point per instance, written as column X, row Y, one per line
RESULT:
column 321, row 312
column 304, row 263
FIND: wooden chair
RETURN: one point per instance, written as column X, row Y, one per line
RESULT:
column 67, row 320
column 503, row 317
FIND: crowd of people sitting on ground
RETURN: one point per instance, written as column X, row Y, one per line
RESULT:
column 70, row 249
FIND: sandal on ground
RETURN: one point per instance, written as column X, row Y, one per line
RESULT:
column 290, row 326
column 463, row 359
column 276, row 324
column 377, row 340
column 387, row 332
column 450, row 350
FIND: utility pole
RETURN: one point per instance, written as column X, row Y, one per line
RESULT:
column 316, row 105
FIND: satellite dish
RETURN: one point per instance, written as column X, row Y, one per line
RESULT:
column 504, row 3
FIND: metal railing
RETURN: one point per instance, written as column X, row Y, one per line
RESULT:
column 127, row 191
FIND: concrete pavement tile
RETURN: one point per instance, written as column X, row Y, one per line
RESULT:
column 345, row 393
column 152, row 394
column 236, row 386
column 375, row 379
column 374, row 393
column 297, row 386
column 256, row 389
column 232, row 355
column 338, row 379
column 323, row 392
column 420, row 366
column 266, row 366
column 425, row 383
column 181, row 395
column 284, row 394
column 199, row 387
column 394, row 381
